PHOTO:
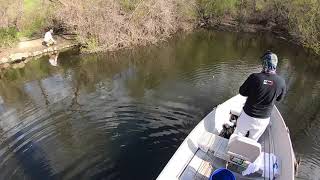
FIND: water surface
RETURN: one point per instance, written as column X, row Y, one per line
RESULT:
column 122, row 115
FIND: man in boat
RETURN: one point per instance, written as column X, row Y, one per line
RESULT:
column 48, row 39
column 262, row 90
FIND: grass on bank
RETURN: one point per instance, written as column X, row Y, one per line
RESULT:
column 8, row 37
column 33, row 28
column 34, row 18
column 28, row 24
column 30, row 5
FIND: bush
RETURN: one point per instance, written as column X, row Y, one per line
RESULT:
column 304, row 18
column 8, row 36
column 110, row 27
column 92, row 44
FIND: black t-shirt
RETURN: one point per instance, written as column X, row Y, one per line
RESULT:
column 262, row 90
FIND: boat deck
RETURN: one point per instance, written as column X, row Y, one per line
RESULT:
column 212, row 154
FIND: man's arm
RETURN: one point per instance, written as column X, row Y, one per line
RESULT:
column 282, row 94
column 51, row 38
column 244, row 88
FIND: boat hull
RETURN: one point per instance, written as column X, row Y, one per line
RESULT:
column 212, row 124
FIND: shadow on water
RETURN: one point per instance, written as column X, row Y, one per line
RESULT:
column 122, row 115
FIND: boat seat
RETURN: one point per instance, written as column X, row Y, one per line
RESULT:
column 243, row 148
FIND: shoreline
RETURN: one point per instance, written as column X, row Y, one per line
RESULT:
column 24, row 51
column 234, row 26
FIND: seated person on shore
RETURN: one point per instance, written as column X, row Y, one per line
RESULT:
column 262, row 90
column 48, row 39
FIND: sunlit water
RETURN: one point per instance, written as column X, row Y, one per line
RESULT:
column 122, row 115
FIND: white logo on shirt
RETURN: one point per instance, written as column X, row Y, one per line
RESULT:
column 268, row 82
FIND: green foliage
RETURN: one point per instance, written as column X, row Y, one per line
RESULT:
column 304, row 18
column 8, row 36
column 216, row 7
column 34, row 18
column 301, row 18
column 129, row 5
column 92, row 44
column 33, row 27
column 260, row 4
column 31, row 5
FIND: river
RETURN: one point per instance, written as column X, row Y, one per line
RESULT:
column 122, row 115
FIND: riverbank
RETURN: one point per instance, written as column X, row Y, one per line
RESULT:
column 232, row 25
column 116, row 24
column 25, row 50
